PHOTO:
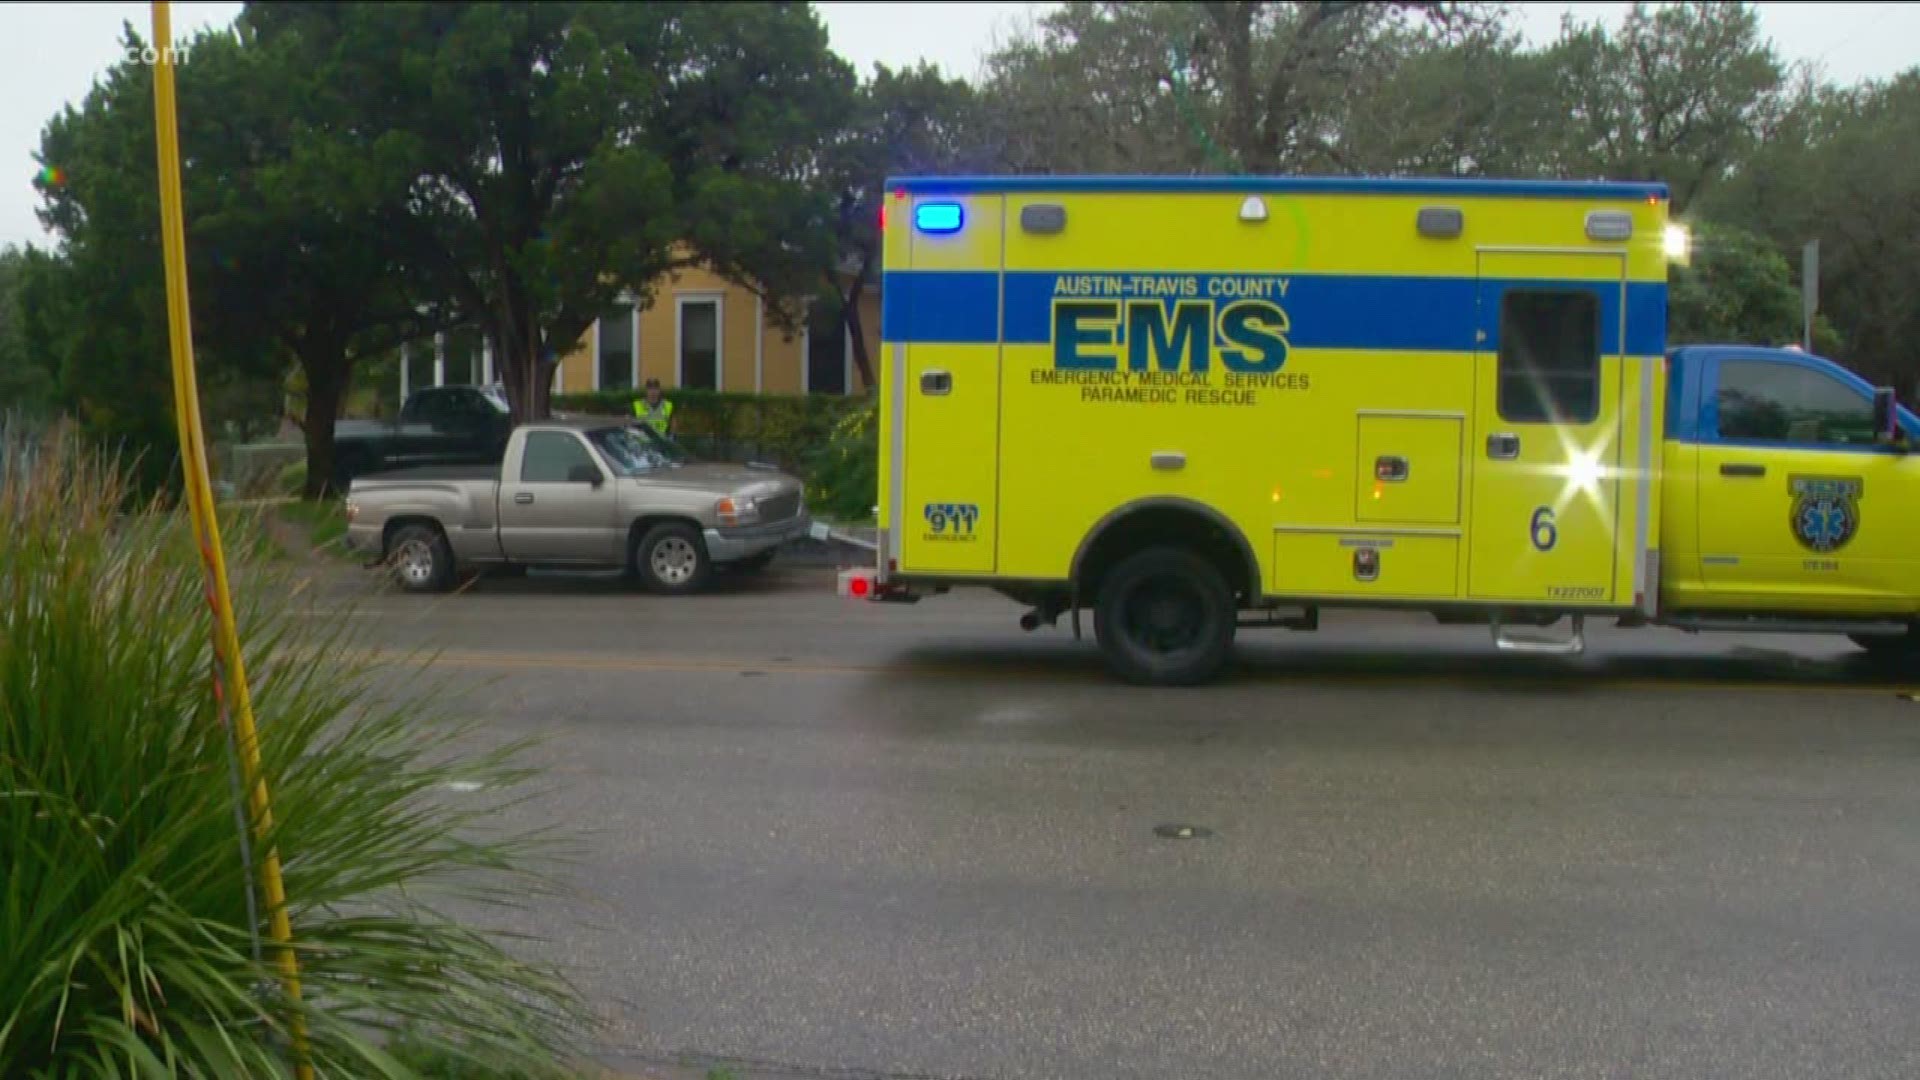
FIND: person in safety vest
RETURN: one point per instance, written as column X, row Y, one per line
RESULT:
column 654, row 410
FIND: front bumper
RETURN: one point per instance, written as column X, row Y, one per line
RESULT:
column 732, row 545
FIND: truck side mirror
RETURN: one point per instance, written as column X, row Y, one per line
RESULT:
column 584, row 474
column 1886, row 418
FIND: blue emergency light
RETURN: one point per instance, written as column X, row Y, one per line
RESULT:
column 938, row 217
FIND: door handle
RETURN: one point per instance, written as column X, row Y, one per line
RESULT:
column 523, row 498
column 1742, row 468
column 1503, row 446
column 1390, row 468
column 936, row 383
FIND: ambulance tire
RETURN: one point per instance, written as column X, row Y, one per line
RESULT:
column 1165, row 616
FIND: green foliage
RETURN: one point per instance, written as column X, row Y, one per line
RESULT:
column 125, row 902
column 843, row 477
column 1739, row 288
column 1841, row 172
column 26, row 383
column 250, row 208
column 558, row 153
column 1260, row 87
column 782, row 429
column 1680, row 93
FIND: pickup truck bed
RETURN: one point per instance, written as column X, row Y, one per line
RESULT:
column 439, row 472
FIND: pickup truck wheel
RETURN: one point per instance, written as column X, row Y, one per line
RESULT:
column 1165, row 617
column 421, row 559
column 671, row 559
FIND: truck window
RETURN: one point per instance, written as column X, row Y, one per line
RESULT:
column 550, row 456
column 466, row 408
column 1787, row 403
column 1549, row 356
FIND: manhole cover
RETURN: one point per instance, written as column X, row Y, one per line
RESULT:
column 1182, row 832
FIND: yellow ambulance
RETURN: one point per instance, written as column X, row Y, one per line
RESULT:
column 1193, row 405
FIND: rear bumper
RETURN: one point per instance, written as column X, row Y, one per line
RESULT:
column 732, row 545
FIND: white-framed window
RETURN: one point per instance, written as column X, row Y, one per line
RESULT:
column 699, row 340
column 616, row 347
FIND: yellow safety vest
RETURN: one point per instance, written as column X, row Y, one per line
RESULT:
column 658, row 417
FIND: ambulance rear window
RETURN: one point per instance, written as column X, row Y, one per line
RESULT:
column 1549, row 356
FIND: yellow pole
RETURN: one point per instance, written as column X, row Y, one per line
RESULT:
column 193, row 455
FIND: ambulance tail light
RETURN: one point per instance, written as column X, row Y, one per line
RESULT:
column 860, row 583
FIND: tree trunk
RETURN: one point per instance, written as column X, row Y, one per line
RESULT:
column 527, row 377
column 327, row 378
column 850, row 318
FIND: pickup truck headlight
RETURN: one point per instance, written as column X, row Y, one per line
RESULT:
column 737, row 510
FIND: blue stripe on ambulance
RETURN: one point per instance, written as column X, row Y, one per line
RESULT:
column 1406, row 314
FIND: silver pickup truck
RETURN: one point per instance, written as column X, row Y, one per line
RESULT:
column 597, row 493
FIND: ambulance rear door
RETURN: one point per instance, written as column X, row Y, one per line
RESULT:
column 945, row 313
column 1547, row 447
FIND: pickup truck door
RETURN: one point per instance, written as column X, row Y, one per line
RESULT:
column 558, row 506
column 1798, row 505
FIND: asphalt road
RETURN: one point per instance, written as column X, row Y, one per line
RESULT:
column 842, row 840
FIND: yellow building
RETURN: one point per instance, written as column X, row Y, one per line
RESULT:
column 699, row 331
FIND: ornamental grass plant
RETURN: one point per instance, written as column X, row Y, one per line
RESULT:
column 133, row 937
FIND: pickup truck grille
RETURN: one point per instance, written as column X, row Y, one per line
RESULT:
column 780, row 507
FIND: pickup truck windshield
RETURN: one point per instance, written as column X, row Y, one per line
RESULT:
column 632, row 451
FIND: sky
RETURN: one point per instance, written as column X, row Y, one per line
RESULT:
column 63, row 48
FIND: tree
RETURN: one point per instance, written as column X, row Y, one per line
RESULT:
column 281, row 265
column 1738, row 288
column 558, row 154
column 1472, row 102
column 1682, row 94
column 1250, row 86
column 908, row 121
column 26, row 382
column 1099, row 88
column 1842, row 175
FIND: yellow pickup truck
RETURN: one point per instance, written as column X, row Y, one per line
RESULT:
column 1190, row 405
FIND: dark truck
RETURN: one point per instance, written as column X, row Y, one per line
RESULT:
column 440, row 425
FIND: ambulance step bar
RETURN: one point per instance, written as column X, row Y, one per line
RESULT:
column 1507, row 640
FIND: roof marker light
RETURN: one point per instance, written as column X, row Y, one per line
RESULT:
column 938, row 217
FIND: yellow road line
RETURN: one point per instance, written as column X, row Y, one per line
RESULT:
column 1491, row 680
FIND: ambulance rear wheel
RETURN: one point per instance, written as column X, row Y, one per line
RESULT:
column 1165, row 617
